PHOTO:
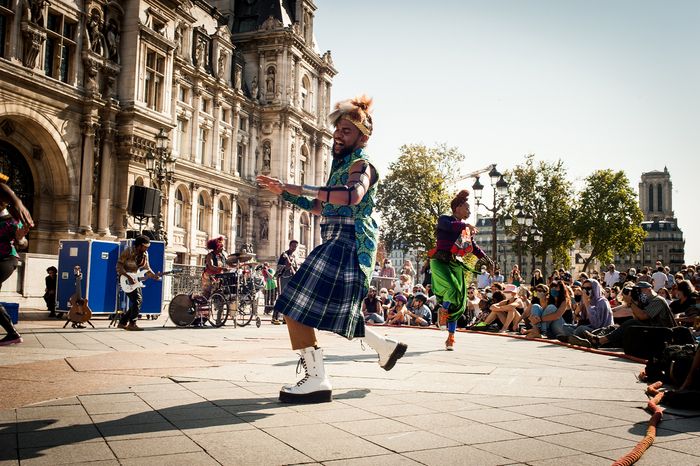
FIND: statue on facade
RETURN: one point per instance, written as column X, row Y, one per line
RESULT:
column 267, row 156
column 254, row 88
column 112, row 37
column 221, row 64
column 199, row 54
column 237, row 79
column 178, row 38
column 270, row 80
column 263, row 228
column 34, row 11
column 95, row 37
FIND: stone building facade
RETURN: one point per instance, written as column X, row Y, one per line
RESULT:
column 239, row 88
column 664, row 239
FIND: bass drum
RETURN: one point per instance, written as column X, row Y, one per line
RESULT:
column 181, row 310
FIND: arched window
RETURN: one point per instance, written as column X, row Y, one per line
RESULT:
column 304, row 229
column 305, row 93
column 179, row 210
column 651, row 198
column 239, row 221
column 201, row 213
column 14, row 165
column 223, row 218
column 659, row 198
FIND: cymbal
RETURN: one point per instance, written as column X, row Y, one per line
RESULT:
column 237, row 257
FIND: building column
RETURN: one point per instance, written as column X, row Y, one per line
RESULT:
column 86, row 177
column 234, row 218
column 106, row 169
column 194, row 207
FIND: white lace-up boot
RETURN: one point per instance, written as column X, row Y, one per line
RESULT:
column 315, row 386
column 388, row 349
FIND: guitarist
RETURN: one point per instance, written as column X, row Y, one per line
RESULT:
column 132, row 260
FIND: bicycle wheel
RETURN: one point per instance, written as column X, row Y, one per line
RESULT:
column 218, row 310
column 244, row 313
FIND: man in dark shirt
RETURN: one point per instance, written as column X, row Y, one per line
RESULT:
column 649, row 309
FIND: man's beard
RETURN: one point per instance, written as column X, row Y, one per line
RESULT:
column 345, row 151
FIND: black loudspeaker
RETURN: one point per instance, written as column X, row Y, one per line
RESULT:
column 143, row 202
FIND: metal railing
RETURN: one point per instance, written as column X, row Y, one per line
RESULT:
column 189, row 279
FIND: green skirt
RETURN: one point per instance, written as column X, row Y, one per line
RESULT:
column 449, row 283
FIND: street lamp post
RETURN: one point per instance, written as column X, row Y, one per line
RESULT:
column 500, row 188
column 161, row 168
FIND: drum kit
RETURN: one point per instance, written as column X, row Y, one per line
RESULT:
column 235, row 295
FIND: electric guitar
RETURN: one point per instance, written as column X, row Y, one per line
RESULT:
column 79, row 311
column 139, row 277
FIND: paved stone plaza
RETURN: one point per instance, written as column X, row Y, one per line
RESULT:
column 209, row 396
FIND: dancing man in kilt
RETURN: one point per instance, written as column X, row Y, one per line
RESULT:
column 327, row 291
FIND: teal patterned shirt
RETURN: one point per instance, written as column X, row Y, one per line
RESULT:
column 366, row 229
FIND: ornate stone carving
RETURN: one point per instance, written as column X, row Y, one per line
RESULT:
column 263, row 227
column 33, row 37
column 221, row 64
column 267, row 157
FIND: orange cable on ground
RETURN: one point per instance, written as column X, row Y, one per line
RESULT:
column 657, row 413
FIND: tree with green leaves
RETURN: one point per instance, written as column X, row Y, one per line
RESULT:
column 541, row 189
column 416, row 191
column 608, row 217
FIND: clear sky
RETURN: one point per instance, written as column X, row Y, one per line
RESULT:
column 599, row 84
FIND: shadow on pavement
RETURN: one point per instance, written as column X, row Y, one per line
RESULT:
column 40, row 436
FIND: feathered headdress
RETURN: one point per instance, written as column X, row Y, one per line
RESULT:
column 356, row 111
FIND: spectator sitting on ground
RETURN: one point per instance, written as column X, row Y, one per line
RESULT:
column 372, row 307
column 420, row 314
column 404, row 284
column 473, row 309
column 648, row 309
column 623, row 312
column 685, row 305
column 504, row 310
column 549, row 321
column 398, row 314
column 614, row 293
column 596, row 311
column 664, row 293
column 385, row 300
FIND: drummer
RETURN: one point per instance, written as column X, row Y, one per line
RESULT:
column 214, row 263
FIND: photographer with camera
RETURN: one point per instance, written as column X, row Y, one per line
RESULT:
column 648, row 309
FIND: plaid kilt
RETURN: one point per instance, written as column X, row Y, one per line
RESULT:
column 327, row 291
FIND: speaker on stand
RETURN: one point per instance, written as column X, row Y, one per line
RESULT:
column 144, row 203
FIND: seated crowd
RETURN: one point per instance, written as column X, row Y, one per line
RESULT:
column 592, row 310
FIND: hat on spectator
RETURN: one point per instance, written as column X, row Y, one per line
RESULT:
column 400, row 297
column 643, row 284
column 421, row 296
column 510, row 288
column 577, row 283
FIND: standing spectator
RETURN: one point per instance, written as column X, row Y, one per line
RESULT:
column 388, row 269
column 498, row 276
column 50, row 290
column 537, row 278
column 659, row 278
column 427, row 274
column 612, row 276
column 372, row 307
column 420, row 314
column 644, row 276
column 483, row 280
column 515, row 278
column 286, row 268
column 408, row 269
column 270, row 286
